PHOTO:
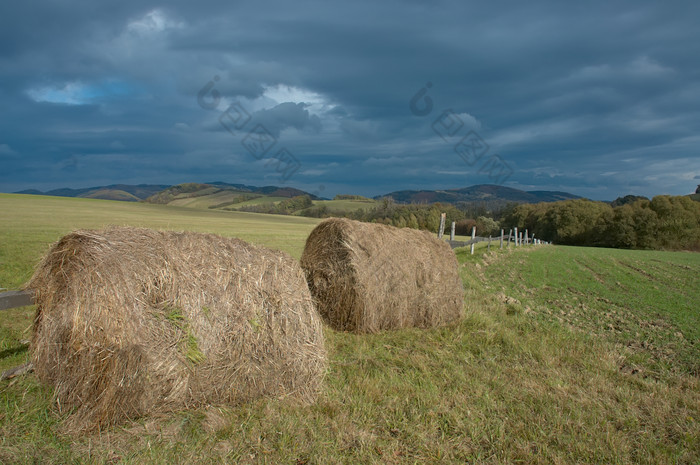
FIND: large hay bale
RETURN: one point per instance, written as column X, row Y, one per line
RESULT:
column 370, row 277
column 132, row 321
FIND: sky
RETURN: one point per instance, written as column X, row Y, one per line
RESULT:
column 600, row 99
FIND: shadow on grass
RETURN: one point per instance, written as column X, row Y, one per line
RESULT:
column 14, row 351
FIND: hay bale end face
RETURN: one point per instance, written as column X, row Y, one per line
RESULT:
column 369, row 277
column 132, row 321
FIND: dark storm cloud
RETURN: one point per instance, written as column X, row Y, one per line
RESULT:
column 600, row 98
column 287, row 115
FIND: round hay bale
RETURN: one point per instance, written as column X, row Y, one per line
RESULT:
column 369, row 277
column 131, row 321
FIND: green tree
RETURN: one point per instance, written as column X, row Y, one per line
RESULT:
column 486, row 226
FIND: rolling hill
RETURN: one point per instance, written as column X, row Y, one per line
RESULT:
column 124, row 192
column 221, row 195
column 239, row 197
column 478, row 193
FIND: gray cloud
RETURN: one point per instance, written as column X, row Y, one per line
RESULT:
column 599, row 99
column 287, row 115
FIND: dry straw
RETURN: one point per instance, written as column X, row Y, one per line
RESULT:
column 371, row 277
column 133, row 321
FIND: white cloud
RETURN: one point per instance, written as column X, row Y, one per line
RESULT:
column 315, row 103
column 78, row 92
column 455, row 173
column 7, row 151
column 313, row 172
column 154, row 21
column 140, row 44
column 539, row 132
column 642, row 66
column 645, row 66
column 71, row 93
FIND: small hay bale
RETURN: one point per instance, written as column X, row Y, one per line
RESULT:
column 370, row 277
column 133, row 321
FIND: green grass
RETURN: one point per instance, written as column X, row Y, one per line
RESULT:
column 209, row 197
column 640, row 299
column 533, row 374
column 261, row 201
column 31, row 223
column 205, row 201
column 346, row 205
column 223, row 197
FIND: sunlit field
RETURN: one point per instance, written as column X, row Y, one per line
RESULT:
column 566, row 355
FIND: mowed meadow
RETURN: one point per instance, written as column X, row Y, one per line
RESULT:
column 565, row 355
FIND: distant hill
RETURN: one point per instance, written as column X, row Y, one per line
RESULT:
column 274, row 191
column 187, row 190
column 111, row 194
column 125, row 192
column 618, row 202
column 221, row 195
column 164, row 193
column 478, row 193
column 217, row 193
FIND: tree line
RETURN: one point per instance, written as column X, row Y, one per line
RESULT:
column 631, row 222
column 664, row 222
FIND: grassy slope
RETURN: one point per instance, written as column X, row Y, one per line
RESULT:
column 203, row 201
column 516, row 381
column 260, row 201
column 111, row 194
column 206, row 201
column 34, row 222
column 641, row 299
column 346, row 205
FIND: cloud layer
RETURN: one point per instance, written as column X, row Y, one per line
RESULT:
column 598, row 99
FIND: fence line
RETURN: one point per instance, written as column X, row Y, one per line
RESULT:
column 506, row 239
column 14, row 299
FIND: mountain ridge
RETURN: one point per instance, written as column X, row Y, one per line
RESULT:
column 478, row 193
column 160, row 193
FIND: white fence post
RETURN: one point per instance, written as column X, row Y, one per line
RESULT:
column 473, row 236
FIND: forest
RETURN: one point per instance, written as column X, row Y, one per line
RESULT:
column 632, row 222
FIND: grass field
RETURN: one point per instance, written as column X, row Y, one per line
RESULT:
column 31, row 223
column 231, row 200
column 566, row 355
column 347, row 205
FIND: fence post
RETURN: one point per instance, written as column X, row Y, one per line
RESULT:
column 515, row 231
column 441, row 231
column 501, row 238
column 489, row 246
column 473, row 236
column 510, row 233
column 526, row 239
column 452, row 232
